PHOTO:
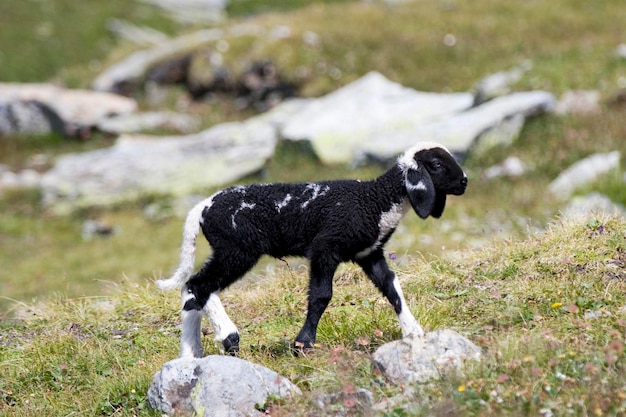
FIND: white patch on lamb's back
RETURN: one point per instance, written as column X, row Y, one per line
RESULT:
column 388, row 221
column 243, row 206
column 282, row 204
column 316, row 191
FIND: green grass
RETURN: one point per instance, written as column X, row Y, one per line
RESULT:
column 84, row 329
column 47, row 40
column 526, row 303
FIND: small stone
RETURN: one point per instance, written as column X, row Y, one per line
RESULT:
column 510, row 167
column 415, row 360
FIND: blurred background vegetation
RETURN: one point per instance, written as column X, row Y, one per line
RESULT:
column 437, row 46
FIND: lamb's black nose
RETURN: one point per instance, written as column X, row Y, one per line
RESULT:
column 464, row 181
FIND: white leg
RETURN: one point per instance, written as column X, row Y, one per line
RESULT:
column 222, row 324
column 408, row 323
column 190, row 341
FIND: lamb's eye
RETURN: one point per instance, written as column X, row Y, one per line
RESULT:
column 436, row 164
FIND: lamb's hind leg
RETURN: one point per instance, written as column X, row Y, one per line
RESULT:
column 201, row 295
column 224, row 328
column 190, row 341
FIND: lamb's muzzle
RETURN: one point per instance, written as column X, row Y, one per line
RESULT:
column 328, row 222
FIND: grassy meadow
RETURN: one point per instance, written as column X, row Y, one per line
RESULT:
column 83, row 328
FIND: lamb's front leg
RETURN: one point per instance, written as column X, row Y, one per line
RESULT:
column 320, row 293
column 385, row 279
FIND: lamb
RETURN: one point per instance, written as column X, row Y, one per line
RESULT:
column 328, row 222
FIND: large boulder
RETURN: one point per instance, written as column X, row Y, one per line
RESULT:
column 80, row 108
column 463, row 131
column 216, row 386
column 339, row 124
column 176, row 165
column 374, row 118
column 139, row 165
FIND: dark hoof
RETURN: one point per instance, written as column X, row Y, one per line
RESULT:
column 303, row 348
column 231, row 344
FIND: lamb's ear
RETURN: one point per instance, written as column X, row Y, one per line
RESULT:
column 440, row 204
column 421, row 191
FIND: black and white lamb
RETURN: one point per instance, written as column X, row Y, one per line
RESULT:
column 328, row 222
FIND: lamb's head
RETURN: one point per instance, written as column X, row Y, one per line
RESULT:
column 430, row 173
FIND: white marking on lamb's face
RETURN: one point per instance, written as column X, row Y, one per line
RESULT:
column 388, row 221
column 406, row 160
column 221, row 323
column 242, row 206
column 317, row 191
column 409, row 325
column 282, row 204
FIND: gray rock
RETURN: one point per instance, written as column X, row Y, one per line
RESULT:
column 139, row 122
column 591, row 203
column 584, row 172
column 29, row 118
column 27, row 178
column 141, row 35
column 192, row 11
column 176, row 165
column 578, row 102
column 463, row 130
column 416, row 360
column 504, row 133
column 346, row 403
column 510, row 167
column 340, row 123
column 93, row 229
column 620, row 51
column 76, row 107
column 132, row 70
column 374, row 118
column 498, row 84
column 216, row 386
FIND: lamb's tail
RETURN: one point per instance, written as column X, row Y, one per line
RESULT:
column 188, row 250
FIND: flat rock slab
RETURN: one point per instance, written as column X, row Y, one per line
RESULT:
column 375, row 118
column 216, row 386
column 338, row 124
column 138, row 122
column 142, row 165
column 417, row 360
column 79, row 107
column 584, row 172
column 461, row 131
